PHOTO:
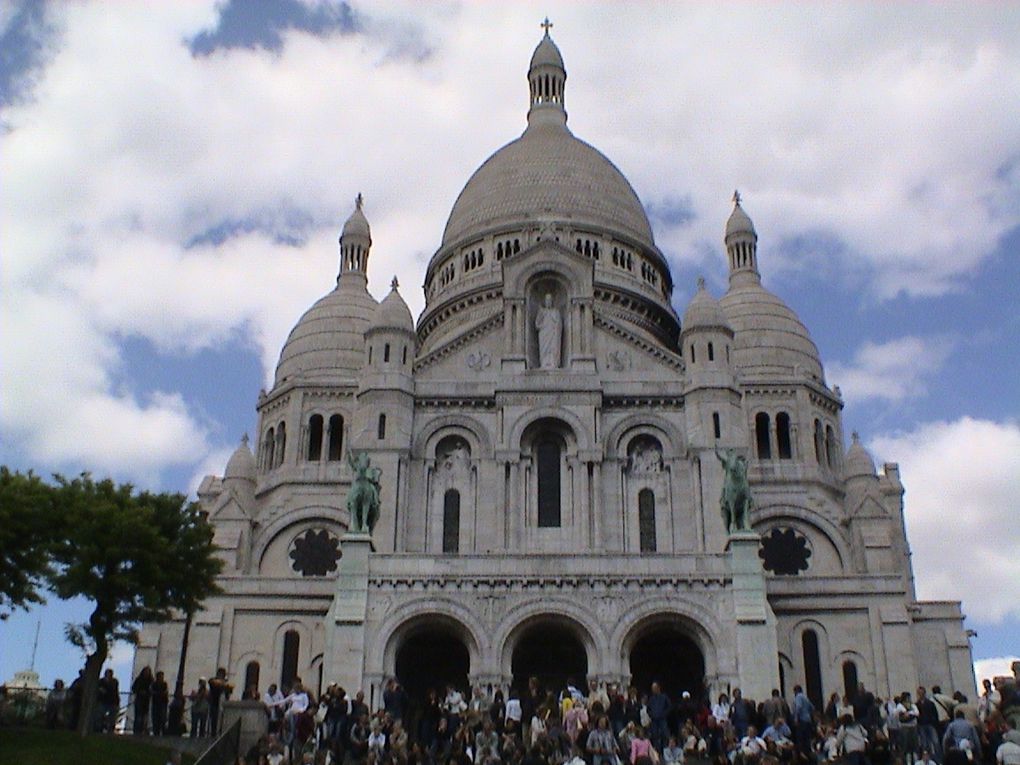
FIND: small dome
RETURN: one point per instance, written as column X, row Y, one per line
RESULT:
column 858, row 462
column 241, row 463
column 329, row 340
column 546, row 54
column 739, row 221
column 357, row 224
column 769, row 338
column 393, row 312
column 703, row 311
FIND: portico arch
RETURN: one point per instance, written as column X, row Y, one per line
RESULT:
column 550, row 646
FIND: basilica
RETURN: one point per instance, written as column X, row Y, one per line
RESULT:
column 551, row 440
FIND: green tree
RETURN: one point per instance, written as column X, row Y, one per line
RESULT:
column 26, row 530
column 137, row 556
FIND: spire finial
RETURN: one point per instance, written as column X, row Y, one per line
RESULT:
column 701, row 282
column 736, row 197
column 244, row 440
column 855, row 436
column 358, row 200
column 394, row 283
column 546, row 25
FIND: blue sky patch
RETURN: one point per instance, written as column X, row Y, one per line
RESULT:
column 255, row 24
column 24, row 47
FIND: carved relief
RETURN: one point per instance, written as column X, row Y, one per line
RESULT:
column 619, row 361
column 645, row 457
column 478, row 360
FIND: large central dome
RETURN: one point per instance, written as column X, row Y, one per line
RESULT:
column 547, row 173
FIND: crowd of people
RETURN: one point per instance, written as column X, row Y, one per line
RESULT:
column 609, row 725
column 603, row 724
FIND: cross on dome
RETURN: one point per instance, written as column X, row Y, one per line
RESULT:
column 701, row 282
column 394, row 283
column 546, row 25
column 358, row 201
column 736, row 197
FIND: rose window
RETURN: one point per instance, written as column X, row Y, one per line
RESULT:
column 784, row 552
column 315, row 553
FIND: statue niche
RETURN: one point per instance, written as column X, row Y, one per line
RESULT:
column 547, row 325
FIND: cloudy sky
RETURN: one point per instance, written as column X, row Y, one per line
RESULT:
column 174, row 177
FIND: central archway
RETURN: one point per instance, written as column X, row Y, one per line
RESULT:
column 552, row 652
column 666, row 654
column 430, row 658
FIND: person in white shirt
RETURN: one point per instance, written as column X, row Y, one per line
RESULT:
column 906, row 713
column 296, row 702
column 273, row 700
column 721, row 710
column 752, row 746
column 1008, row 752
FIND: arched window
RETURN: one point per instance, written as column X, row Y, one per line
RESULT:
column 812, row 667
column 849, row 678
column 782, row 679
column 269, row 450
column 381, row 430
column 830, row 446
column 693, row 357
column 761, row 436
column 711, row 352
column 819, row 441
column 369, row 354
column 251, row 675
column 451, row 521
column 716, row 425
column 646, row 520
column 281, row 442
column 783, row 443
column 403, row 356
column 336, row 438
column 547, row 454
column 386, row 353
column 314, row 453
column 291, row 646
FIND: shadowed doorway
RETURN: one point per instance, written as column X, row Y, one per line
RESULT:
column 666, row 654
column 551, row 652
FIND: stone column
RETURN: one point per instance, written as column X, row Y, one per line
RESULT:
column 344, row 659
column 755, row 632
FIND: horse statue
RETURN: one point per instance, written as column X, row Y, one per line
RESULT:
column 363, row 496
column 736, row 501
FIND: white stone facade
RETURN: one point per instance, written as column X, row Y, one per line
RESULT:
column 575, row 500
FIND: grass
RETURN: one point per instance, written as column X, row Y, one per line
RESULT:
column 21, row 746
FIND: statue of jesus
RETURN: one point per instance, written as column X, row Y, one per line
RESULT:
column 550, row 329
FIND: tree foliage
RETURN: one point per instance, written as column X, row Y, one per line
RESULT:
column 137, row 556
column 26, row 530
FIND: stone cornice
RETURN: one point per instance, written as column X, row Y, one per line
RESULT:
column 653, row 350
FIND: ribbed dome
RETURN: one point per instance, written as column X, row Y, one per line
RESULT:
column 546, row 54
column 241, row 463
column 703, row 311
column 393, row 312
column 739, row 222
column 768, row 336
column 858, row 462
column 329, row 340
column 547, row 172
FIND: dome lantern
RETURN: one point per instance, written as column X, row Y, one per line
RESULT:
column 741, row 244
column 355, row 242
column 547, row 79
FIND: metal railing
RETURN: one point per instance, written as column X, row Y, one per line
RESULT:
column 224, row 750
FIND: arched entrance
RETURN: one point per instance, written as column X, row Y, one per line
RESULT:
column 666, row 654
column 430, row 658
column 552, row 652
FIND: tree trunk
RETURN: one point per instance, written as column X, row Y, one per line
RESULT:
column 176, row 718
column 90, row 685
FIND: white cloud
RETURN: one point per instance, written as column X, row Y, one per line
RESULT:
column 962, row 480
column 999, row 666
column 858, row 122
column 892, row 370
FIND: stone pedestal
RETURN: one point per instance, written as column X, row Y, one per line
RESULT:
column 344, row 659
column 254, row 722
column 756, row 643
